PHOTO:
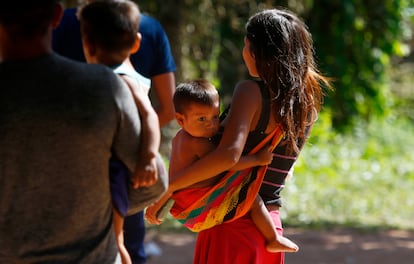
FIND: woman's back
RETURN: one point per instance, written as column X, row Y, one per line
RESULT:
column 278, row 51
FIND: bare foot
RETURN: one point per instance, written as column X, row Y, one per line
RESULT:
column 282, row 244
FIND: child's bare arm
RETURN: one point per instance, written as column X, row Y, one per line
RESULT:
column 262, row 157
column 185, row 150
column 146, row 169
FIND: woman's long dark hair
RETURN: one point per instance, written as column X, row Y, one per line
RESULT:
column 283, row 50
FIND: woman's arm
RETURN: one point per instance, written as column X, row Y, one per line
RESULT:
column 261, row 158
column 242, row 118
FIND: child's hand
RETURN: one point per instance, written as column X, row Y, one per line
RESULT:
column 145, row 174
column 264, row 156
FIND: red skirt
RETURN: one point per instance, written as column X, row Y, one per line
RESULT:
column 236, row 242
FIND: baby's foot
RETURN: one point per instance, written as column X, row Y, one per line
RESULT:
column 282, row 244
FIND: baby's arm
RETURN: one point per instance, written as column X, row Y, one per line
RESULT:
column 261, row 158
column 146, row 169
column 152, row 211
column 185, row 150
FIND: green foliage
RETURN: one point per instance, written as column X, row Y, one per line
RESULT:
column 364, row 178
column 354, row 41
column 402, row 87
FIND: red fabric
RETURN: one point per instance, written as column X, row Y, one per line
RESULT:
column 186, row 197
column 236, row 242
column 230, row 198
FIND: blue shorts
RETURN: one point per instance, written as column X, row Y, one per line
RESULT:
column 119, row 176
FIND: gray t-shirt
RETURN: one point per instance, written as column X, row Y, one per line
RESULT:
column 60, row 121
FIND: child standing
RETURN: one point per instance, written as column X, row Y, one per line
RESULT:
column 197, row 107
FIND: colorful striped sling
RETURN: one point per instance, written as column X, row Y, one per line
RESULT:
column 230, row 198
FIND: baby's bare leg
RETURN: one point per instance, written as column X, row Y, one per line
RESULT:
column 263, row 221
column 118, row 222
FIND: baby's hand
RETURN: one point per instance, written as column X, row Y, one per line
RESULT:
column 145, row 174
column 151, row 214
column 156, row 212
column 264, row 156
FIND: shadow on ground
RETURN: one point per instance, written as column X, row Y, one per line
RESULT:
column 339, row 246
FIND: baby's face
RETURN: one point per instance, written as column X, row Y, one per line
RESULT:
column 202, row 120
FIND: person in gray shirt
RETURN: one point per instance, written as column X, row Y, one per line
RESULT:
column 60, row 122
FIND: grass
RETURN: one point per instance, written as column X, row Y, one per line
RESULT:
column 361, row 179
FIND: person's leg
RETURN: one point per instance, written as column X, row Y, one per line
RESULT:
column 134, row 233
column 270, row 257
column 264, row 223
column 118, row 223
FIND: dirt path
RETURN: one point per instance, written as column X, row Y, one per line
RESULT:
column 341, row 246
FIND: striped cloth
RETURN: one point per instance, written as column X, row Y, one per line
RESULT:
column 229, row 199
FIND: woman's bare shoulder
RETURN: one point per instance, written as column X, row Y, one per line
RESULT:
column 248, row 88
column 245, row 107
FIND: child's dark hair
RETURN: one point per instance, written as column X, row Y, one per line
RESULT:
column 198, row 91
column 111, row 25
column 283, row 51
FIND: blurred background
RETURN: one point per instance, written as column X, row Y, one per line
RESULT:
column 358, row 168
